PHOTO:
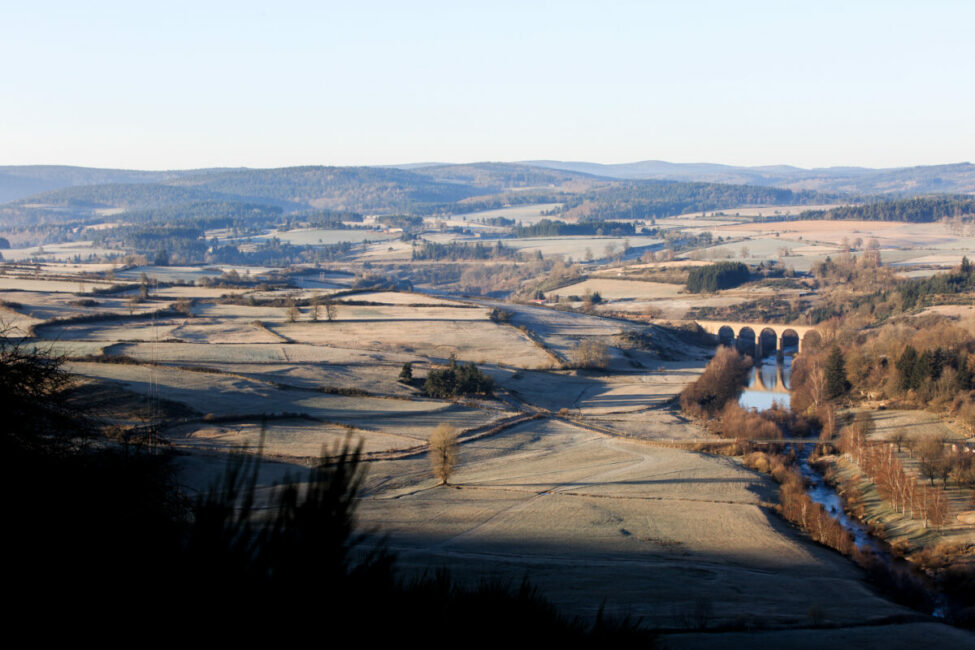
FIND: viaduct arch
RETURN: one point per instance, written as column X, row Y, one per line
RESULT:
column 730, row 333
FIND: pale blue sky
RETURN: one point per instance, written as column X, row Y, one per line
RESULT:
column 194, row 84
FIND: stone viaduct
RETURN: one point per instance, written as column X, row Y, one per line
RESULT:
column 732, row 333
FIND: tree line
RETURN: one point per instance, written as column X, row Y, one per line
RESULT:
column 549, row 228
column 428, row 250
column 921, row 209
column 714, row 277
column 456, row 380
column 653, row 199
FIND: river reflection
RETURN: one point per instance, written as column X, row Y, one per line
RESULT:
column 769, row 382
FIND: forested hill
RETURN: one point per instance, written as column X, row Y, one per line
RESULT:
column 656, row 199
column 506, row 175
column 396, row 188
column 909, row 181
column 21, row 181
column 902, row 181
column 427, row 190
column 293, row 189
column 922, row 209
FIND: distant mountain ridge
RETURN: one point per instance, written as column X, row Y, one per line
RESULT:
column 22, row 181
column 957, row 178
column 73, row 193
column 62, row 194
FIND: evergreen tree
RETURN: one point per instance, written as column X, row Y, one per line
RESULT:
column 905, row 365
column 835, row 368
column 406, row 374
column 964, row 378
column 457, row 380
column 924, row 369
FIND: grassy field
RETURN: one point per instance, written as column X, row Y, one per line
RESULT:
column 480, row 341
column 798, row 254
column 577, row 247
column 64, row 252
column 322, row 237
column 622, row 289
column 169, row 273
column 526, row 214
column 913, row 424
column 674, row 308
column 14, row 283
column 647, row 531
column 223, row 395
column 889, row 234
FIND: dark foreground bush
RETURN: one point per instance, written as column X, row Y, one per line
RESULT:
column 236, row 563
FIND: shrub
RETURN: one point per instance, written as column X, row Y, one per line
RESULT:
column 722, row 380
column 743, row 424
column 758, row 461
column 590, row 354
column 501, row 315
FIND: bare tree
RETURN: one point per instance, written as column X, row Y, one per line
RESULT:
column 817, row 385
column 931, row 453
column 590, row 354
column 828, row 331
column 443, row 451
column 827, row 415
column 316, row 304
column 937, row 508
column 293, row 311
column 898, row 437
column 330, row 309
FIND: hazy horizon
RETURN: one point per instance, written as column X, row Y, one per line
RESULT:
column 476, row 162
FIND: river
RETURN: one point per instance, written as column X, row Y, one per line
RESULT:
column 776, row 373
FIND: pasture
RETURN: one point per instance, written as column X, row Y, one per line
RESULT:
column 640, row 530
column 611, row 289
column 578, row 248
column 324, row 237
column 526, row 214
column 889, row 234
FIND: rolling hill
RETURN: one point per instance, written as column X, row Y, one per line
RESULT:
column 906, row 181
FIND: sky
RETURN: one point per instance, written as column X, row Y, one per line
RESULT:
column 200, row 84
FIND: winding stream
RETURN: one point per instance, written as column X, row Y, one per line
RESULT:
column 823, row 493
column 776, row 374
